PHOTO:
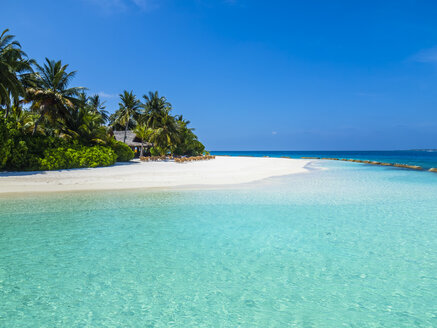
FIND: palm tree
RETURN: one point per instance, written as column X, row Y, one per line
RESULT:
column 92, row 130
column 129, row 110
column 24, row 120
column 165, row 135
column 188, row 144
column 49, row 92
column 98, row 106
column 183, row 124
column 154, row 135
column 142, row 132
column 83, row 124
column 14, row 67
column 155, row 108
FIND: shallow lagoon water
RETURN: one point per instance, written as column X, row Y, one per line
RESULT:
column 349, row 246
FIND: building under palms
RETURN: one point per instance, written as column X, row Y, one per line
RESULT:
column 132, row 141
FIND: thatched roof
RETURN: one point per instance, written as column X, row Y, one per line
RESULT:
column 131, row 139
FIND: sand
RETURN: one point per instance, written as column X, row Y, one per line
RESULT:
column 222, row 170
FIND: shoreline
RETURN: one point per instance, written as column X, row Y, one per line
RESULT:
column 223, row 170
column 398, row 165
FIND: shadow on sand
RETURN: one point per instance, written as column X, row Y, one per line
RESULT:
column 27, row 173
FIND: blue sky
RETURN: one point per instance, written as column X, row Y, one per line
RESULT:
column 255, row 75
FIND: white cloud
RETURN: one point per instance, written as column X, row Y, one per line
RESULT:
column 145, row 4
column 106, row 95
column 274, row 133
column 426, row 56
column 121, row 5
column 109, row 4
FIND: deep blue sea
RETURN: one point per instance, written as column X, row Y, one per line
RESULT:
column 426, row 159
column 343, row 245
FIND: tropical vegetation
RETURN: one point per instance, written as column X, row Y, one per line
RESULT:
column 47, row 123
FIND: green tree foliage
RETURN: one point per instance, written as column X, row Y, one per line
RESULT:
column 98, row 107
column 155, row 108
column 14, row 69
column 20, row 151
column 142, row 132
column 62, row 127
column 5, row 142
column 165, row 136
column 167, row 133
column 83, row 123
column 49, row 91
column 129, row 110
column 188, row 143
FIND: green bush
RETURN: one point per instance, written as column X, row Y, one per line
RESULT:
column 19, row 151
column 81, row 156
column 6, row 142
column 123, row 151
column 19, row 155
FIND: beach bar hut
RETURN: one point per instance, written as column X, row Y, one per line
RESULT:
column 132, row 141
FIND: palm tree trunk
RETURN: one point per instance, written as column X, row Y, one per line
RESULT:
column 142, row 147
column 125, row 131
column 36, row 125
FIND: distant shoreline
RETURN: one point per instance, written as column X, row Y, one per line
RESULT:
column 426, row 160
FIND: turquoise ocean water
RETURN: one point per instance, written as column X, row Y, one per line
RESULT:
column 348, row 246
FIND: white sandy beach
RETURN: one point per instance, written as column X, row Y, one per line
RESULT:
column 220, row 171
